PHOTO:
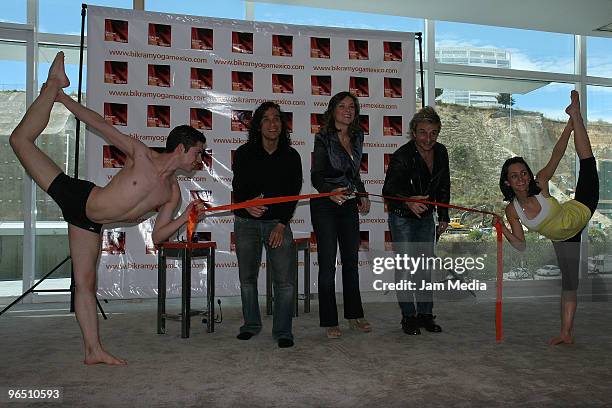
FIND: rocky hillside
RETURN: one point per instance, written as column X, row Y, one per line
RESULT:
column 479, row 140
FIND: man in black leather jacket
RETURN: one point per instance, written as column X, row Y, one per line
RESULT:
column 420, row 170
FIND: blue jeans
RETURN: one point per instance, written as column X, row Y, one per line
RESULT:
column 337, row 225
column 251, row 236
column 413, row 237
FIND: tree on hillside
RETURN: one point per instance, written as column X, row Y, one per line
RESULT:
column 505, row 99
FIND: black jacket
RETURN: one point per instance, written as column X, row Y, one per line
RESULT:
column 332, row 167
column 260, row 174
column 408, row 175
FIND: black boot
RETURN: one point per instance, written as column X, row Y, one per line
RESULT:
column 410, row 325
column 428, row 323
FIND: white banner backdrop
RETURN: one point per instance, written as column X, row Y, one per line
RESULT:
column 149, row 72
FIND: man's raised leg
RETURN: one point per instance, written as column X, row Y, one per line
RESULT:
column 84, row 250
column 40, row 167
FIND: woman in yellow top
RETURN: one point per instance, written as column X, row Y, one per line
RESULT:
column 531, row 204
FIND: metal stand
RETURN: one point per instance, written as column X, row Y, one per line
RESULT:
column 71, row 290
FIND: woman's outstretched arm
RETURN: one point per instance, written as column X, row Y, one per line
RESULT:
column 516, row 236
column 558, row 152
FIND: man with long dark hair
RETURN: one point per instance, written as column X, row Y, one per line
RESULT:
column 266, row 166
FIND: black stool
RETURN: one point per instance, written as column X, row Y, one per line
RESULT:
column 185, row 251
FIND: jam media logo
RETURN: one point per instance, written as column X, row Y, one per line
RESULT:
column 320, row 47
column 242, row 81
column 289, row 119
column 392, row 50
column 160, row 35
column 116, row 113
column 200, row 118
column 392, row 125
column 363, row 166
column 388, row 242
column 364, row 124
column 387, row 160
column 321, row 85
column 113, row 242
column 158, row 116
column 201, row 38
column 316, row 123
column 159, row 75
column 116, row 30
column 393, row 87
column 282, row 83
column 241, row 119
column 115, row 72
column 359, row 87
column 282, row 45
column 201, row 78
column 364, row 241
column 242, row 42
column 313, row 242
column 358, row 49
column 112, row 157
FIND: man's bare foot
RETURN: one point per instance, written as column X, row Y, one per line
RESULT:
column 102, row 357
column 57, row 72
column 561, row 339
column 574, row 106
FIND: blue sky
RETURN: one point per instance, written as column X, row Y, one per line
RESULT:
column 530, row 50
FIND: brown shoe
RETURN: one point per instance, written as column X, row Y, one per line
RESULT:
column 333, row 332
column 360, row 324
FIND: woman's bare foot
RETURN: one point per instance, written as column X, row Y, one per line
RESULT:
column 102, row 357
column 561, row 339
column 574, row 106
column 57, row 73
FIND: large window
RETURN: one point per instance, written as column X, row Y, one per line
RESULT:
column 280, row 13
column 12, row 108
column 470, row 44
column 64, row 16
column 14, row 11
column 481, row 136
column 222, row 9
column 599, row 113
column 599, row 57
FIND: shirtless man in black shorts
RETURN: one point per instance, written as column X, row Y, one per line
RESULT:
column 146, row 182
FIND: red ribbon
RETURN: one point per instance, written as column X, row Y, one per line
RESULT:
column 276, row 200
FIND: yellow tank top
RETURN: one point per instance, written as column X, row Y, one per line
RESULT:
column 561, row 221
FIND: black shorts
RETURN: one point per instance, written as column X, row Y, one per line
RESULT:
column 71, row 196
column 587, row 187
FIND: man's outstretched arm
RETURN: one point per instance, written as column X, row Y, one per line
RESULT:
column 165, row 224
column 123, row 142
